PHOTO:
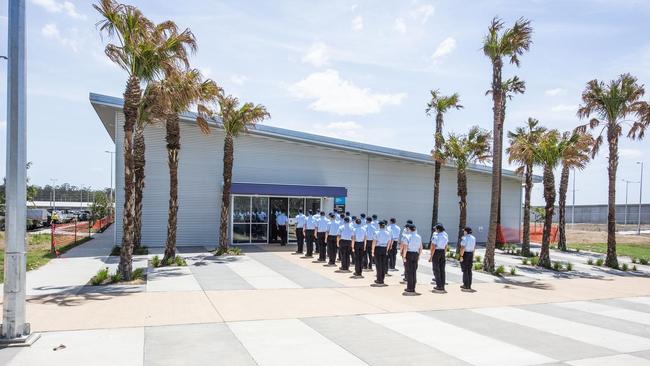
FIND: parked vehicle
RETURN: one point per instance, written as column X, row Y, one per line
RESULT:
column 36, row 217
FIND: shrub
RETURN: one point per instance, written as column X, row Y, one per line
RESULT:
column 625, row 267
column 169, row 261
column 577, row 250
column 534, row 261
column 138, row 274
column 100, row 277
column 557, row 266
column 524, row 261
column 590, row 261
column 500, row 270
column 634, row 260
column 477, row 258
column 518, row 252
column 569, row 266
column 599, row 262
column 634, row 268
column 643, row 261
column 478, row 266
column 513, row 271
column 115, row 277
column 228, row 251
column 155, row 261
column 180, row 261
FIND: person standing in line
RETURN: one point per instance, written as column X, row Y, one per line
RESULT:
column 341, row 221
column 370, row 236
column 467, row 246
column 382, row 240
column 411, row 250
column 375, row 222
column 358, row 250
column 405, row 232
column 439, row 242
column 393, row 246
column 282, row 227
column 301, row 219
column 310, row 233
column 321, row 236
column 344, row 243
column 332, row 233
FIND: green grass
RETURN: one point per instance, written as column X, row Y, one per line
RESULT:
column 632, row 250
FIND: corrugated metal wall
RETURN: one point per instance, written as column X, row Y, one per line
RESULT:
column 387, row 187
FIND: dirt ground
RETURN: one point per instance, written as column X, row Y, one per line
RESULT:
column 597, row 233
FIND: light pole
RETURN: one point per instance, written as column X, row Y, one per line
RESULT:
column 14, row 329
column 573, row 197
column 638, row 225
column 627, row 183
column 110, row 193
column 53, row 180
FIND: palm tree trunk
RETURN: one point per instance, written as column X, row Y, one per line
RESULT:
column 525, row 245
column 228, row 157
column 497, row 96
column 173, row 138
column 138, row 169
column 612, row 138
column 436, row 170
column 561, row 219
column 131, row 101
column 462, row 205
column 549, row 197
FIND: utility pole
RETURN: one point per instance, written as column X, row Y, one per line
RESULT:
column 638, row 225
column 15, row 331
column 627, row 183
column 54, row 180
column 573, row 197
column 110, row 193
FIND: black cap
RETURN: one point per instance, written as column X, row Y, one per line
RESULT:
column 300, row 210
column 342, row 215
column 368, row 219
column 392, row 220
column 346, row 219
column 332, row 214
column 311, row 212
column 468, row 229
column 374, row 217
column 413, row 227
column 347, row 213
column 354, row 218
column 382, row 223
column 439, row 227
column 322, row 213
column 363, row 215
column 409, row 222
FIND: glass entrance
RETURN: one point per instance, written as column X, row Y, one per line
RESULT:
column 277, row 205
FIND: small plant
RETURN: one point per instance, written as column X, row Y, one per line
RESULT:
column 477, row 258
column 569, row 266
column 524, row 261
column 138, row 274
column 513, row 271
column 478, row 266
column 155, row 261
column 634, row 260
column 518, row 252
column 557, row 266
column 228, row 251
column 100, row 277
column 180, row 261
column 534, row 261
column 577, row 250
column 634, row 268
column 115, row 277
column 599, row 262
column 536, row 254
column 643, row 261
column 625, row 267
column 590, row 261
column 500, row 270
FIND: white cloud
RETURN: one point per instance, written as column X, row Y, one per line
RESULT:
column 54, row 6
column 335, row 95
column 348, row 130
column 565, row 108
column 206, row 72
column 555, row 92
column 444, row 48
column 318, row 54
column 238, row 79
column 357, row 23
column 51, row 31
column 422, row 13
column 630, row 153
column 399, row 25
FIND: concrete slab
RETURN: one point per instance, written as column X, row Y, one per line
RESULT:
column 608, row 311
column 171, row 279
column 304, row 277
column 213, row 273
column 623, row 304
column 259, row 275
column 627, row 360
column 87, row 347
column 194, row 344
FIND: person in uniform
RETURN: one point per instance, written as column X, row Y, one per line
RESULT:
column 321, row 236
column 439, row 242
column 341, row 221
column 282, row 227
column 370, row 236
column 467, row 246
column 411, row 250
column 301, row 220
column 382, row 240
column 359, row 248
column 344, row 243
column 405, row 232
column 310, row 233
column 393, row 246
column 332, row 233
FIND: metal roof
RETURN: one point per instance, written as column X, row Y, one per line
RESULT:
column 286, row 134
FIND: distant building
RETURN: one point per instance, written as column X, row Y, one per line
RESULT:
column 597, row 214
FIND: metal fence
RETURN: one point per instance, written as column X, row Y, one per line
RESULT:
column 76, row 231
column 597, row 214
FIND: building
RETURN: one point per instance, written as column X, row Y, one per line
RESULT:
column 275, row 168
column 597, row 214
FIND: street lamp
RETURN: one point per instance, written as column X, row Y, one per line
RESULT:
column 638, row 225
column 627, row 183
column 53, row 180
column 110, row 195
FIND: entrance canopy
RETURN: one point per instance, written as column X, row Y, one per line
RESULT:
column 288, row 190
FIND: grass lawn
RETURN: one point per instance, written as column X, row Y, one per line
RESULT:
column 636, row 250
column 38, row 251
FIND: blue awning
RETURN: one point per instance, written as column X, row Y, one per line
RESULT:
column 288, row 190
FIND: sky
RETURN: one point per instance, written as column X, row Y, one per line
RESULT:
column 358, row 70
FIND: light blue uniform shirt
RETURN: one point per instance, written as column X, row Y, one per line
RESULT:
column 394, row 231
column 311, row 222
column 359, row 233
column 282, row 219
column 322, row 224
column 370, row 232
column 440, row 240
column 469, row 242
column 346, row 231
column 300, row 221
column 413, row 242
column 333, row 228
column 383, row 237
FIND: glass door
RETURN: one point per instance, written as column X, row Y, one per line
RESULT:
column 260, row 220
column 295, row 204
column 241, row 218
column 276, row 205
column 312, row 204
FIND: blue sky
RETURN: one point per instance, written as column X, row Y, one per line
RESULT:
column 360, row 70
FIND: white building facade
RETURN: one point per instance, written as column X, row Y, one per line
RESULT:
column 279, row 169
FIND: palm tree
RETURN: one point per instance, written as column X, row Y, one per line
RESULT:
column 499, row 43
column 610, row 106
column 169, row 98
column 575, row 156
column 463, row 150
column 141, row 53
column 234, row 120
column 523, row 142
column 439, row 104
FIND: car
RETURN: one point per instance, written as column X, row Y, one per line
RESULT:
column 37, row 217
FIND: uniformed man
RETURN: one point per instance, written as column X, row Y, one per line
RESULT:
column 358, row 250
column 310, row 233
column 467, row 246
column 411, row 250
column 439, row 242
column 344, row 243
column 375, row 222
column 301, row 220
column 341, row 221
column 382, row 240
column 405, row 232
column 281, row 221
column 332, row 233
column 392, row 248
column 321, row 236
column 370, row 236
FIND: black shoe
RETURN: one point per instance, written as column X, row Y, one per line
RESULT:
column 296, row 253
column 378, row 284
